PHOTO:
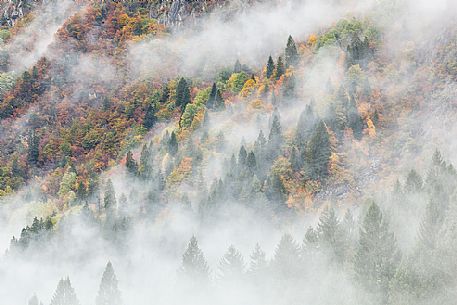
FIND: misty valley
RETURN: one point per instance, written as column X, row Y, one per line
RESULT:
column 232, row 152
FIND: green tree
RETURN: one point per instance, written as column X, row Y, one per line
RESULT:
column 33, row 152
column 215, row 100
column 231, row 266
column 130, row 163
column 280, row 69
column 377, row 256
column 173, row 144
column 286, row 260
column 194, row 266
column 270, row 67
column 258, row 264
column 64, row 294
column 108, row 293
column 109, row 199
column 275, row 138
column 150, row 116
column 317, row 155
column 251, row 162
column 182, row 94
column 145, row 167
column 291, row 54
column 414, row 182
column 330, row 234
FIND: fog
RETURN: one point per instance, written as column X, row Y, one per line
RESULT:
column 147, row 256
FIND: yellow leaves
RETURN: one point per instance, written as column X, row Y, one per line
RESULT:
column 371, row 129
column 248, row 88
column 312, row 39
column 182, row 172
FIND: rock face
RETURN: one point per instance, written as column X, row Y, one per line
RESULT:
column 13, row 10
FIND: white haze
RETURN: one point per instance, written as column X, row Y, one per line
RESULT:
column 148, row 266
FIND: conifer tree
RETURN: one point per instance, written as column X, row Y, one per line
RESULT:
column 251, row 162
column 108, row 294
column 286, row 259
column 318, row 153
column 414, row 182
column 258, row 264
column 145, row 167
column 109, row 199
column 215, row 100
column 34, row 301
column 33, row 147
column 291, row 53
column 377, row 256
column 242, row 156
column 194, row 266
column 231, row 266
column 165, row 94
column 270, row 67
column 330, row 235
column 237, row 67
column 182, row 94
column 130, row 163
column 275, row 138
column 64, row 294
column 280, row 70
column 275, row 190
column 173, row 144
column 149, row 117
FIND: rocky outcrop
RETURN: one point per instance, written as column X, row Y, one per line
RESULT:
column 13, row 10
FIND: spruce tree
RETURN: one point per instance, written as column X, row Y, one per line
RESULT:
column 258, row 264
column 330, row 234
column 270, row 67
column 150, row 116
column 210, row 104
column 165, row 94
column 317, row 155
column 173, row 144
column 414, row 182
column 182, row 94
column 33, row 152
column 377, row 256
column 276, row 191
column 251, row 163
column 109, row 199
column 291, row 53
column 286, row 260
column 275, row 138
column 130, row 163
column 231, row 266
column 194, row 266
column 280, row 70
column 108, row 294
column 64, row 294
column 34, row 301
column 242, row 157
column 237, row 67
column 145, row 167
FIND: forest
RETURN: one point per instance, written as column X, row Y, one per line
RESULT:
column 229, row 152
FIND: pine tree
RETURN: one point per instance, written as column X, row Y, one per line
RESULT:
column 251, row 163
column 33, row 147
column 258, row 264
column 231, row 266
column 242, row 156
column 108, row 294
column 165, row 94
column 145, row 167
column 291, row 53
column 286, row 260
column 431, row 224
column 130, row 163
column 34, row 301
column 275, row 190
column 377, row 256
column 194, row 266
column 212, row 97
column 150, row 116
column 275, row 138
column 330, row 235
column 280, row 70
column 182, row 94
column 109, row 199
column 65, row 294
column 414, row 182
column 237, row 67
column 270, row 67
column 317, row 155
column 173, row 144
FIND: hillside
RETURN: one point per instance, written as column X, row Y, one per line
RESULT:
column 129, row 127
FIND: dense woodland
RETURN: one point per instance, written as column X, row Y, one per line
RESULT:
column 85, row 139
